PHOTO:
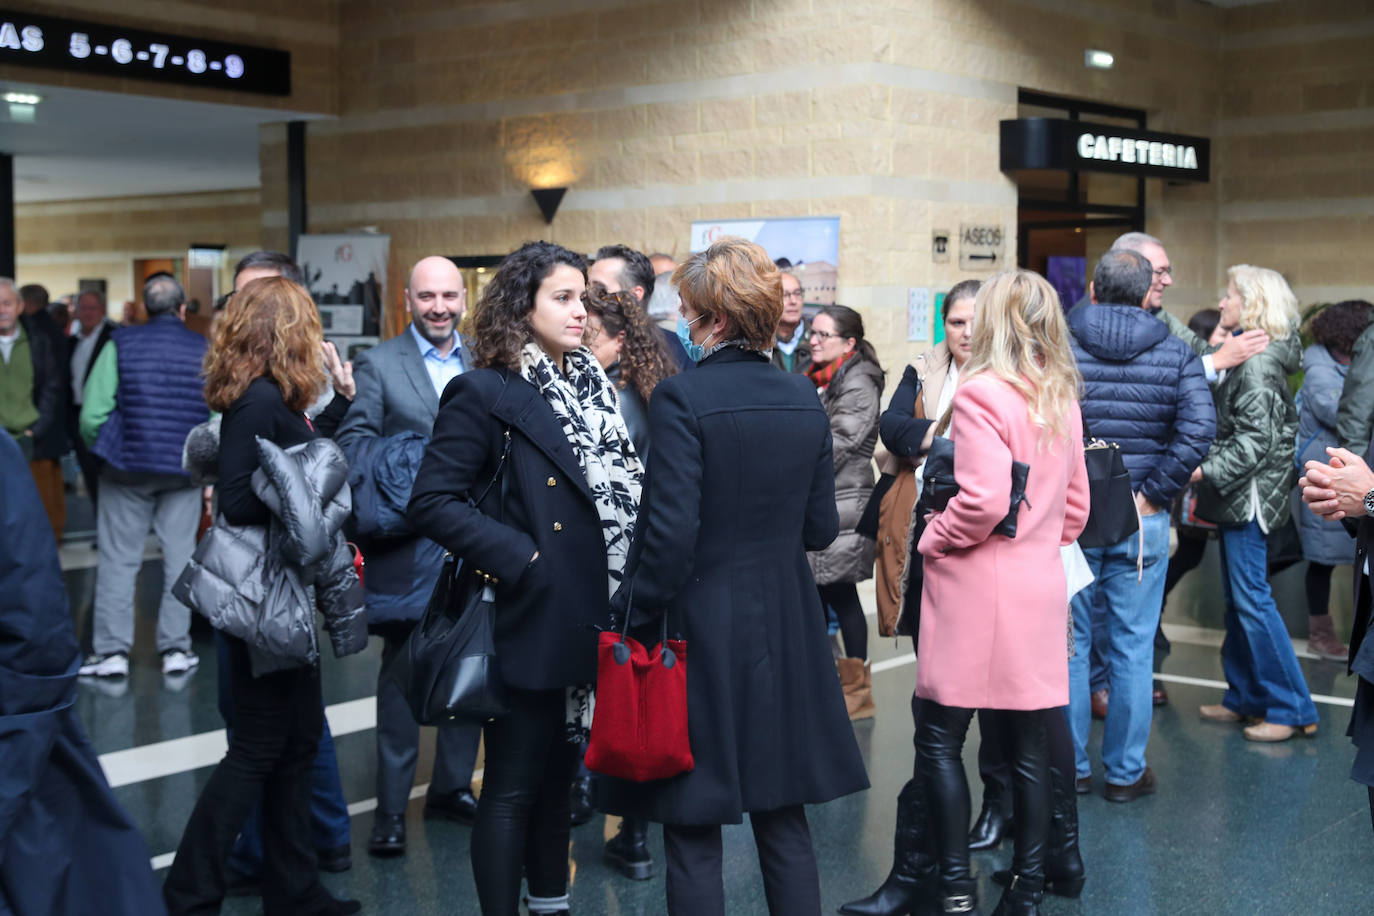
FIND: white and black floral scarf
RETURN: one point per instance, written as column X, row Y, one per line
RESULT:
column 584, row 401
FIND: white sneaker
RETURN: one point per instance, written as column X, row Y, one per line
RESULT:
column 178, row 662
column 116, row 664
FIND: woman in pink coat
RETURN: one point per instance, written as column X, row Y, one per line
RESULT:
column 994, row 610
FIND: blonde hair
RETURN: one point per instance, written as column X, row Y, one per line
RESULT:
column 1267, row 302
column 1021, row 337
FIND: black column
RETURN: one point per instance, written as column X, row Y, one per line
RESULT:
column 295, row 182
column 6, row 215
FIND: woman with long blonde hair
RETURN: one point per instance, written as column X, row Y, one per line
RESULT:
column 994, row 608
column 1243, row 486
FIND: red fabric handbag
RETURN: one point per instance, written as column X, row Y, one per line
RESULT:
column 639, row 727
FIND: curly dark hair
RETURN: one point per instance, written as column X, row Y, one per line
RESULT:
column 500, row 322
column 644, row 360
column 1337, row 326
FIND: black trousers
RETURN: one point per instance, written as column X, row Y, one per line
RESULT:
column 398, row 740
column 843, row 598
column 278, row 721
column 790, row 880
column 523, row 815
column 995, row 755
column 940, row 734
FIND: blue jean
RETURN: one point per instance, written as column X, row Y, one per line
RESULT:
column 330, row 824
column 1128, row 612
column 1261, row 667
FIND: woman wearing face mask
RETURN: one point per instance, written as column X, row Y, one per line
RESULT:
column 740, row 484
column 630, row 348
column 844, row 368
column 553, row 535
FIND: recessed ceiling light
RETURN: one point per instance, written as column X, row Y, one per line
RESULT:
column 22, row 114
column 1098, row 60
column 22, row 98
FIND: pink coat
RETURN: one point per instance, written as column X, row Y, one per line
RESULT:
column 994, row 610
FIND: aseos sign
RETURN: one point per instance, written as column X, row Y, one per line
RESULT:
column 1067, row 145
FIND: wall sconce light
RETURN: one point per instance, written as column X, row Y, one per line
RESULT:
column 1098, row 60
column 548, row 200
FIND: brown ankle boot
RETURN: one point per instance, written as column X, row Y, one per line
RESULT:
column 856, row 678
column 1322, row 641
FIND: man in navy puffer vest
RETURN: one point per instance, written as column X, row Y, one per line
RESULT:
column 1148, row 395
column 143, row 395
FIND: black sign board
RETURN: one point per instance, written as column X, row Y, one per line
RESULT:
column 90, row 47
column 1059, row 143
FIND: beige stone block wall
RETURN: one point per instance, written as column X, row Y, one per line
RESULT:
column 58, row 244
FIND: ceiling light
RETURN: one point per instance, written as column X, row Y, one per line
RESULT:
column 1098, row 60
column 22, row 98
column 22, row 114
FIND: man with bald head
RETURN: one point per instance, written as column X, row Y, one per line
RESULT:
column 399, row 383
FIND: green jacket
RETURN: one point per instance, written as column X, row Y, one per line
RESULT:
column 1355, row 420
column 1257, row 424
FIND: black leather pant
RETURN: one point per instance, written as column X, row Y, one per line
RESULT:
column 939, row 745
column 523, row 816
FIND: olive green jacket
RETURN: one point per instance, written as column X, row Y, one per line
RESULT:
column 1257, row 423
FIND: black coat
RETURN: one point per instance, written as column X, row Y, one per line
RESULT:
column 1362, row 649
column 66, row 846
column 741, row 484
column 545, row 609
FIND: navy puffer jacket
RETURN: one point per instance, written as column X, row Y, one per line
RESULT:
column 1144, row 389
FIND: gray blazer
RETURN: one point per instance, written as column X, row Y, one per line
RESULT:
column 394, row 395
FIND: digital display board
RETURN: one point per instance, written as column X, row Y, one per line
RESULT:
column 76, row 46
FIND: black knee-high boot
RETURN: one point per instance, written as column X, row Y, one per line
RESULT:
column 994, row 821
column 1064, row 874
column 1033, row 794
column 913, row 868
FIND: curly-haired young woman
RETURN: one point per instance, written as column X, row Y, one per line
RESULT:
column 554, row 541
column 630, row 348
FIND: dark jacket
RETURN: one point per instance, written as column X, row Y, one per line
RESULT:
column 633, row 409
column 66, row 846
column 381, row 473
column 1355, row 422
column 740, row 484
column 1361, row 649
column 159, row 399
column 546, row 608
column 1145, row 390
column 801, row 357
column 50, row 430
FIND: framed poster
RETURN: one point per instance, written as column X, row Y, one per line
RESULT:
column 347, row 270
column 807, row 245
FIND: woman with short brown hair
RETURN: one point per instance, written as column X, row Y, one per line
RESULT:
column 743, row 485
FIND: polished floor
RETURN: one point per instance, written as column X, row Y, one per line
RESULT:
column 1236, row 828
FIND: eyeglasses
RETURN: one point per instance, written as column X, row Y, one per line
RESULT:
column 793, row 294
column 823, row 335
column 1164, row 271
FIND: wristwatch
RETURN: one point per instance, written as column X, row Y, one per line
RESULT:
column 1369, row 503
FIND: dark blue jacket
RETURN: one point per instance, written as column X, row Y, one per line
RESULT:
column 1144, row 389
column 159, row 400
column 66, row 846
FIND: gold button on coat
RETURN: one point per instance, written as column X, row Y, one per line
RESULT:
column 551, row 482
column 557, row 526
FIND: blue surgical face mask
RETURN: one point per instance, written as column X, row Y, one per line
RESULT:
column 695, row 351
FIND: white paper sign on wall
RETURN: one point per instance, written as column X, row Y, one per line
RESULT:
column 918, row 313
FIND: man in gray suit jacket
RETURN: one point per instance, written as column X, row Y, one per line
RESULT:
column 399, row 382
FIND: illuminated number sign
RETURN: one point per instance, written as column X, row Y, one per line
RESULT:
column 89, row 47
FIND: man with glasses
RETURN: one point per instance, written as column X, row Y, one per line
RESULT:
column 792, row 351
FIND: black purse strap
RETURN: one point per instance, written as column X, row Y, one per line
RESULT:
column 622, row 652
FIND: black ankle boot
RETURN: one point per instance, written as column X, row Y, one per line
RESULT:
column 1064, row 875
column 992, row 825
column 628, row 851
column 1021, row 898
column 912, row 868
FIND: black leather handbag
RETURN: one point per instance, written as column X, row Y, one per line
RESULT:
column 1112, row 514
column 940, row 485
column 447, row 670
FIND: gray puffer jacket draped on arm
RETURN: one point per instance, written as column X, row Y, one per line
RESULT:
column 264, row 584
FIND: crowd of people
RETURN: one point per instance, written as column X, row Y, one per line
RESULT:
column 722, row 474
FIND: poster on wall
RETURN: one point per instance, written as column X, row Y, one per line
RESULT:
column 809, row 245
column 346, row 276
